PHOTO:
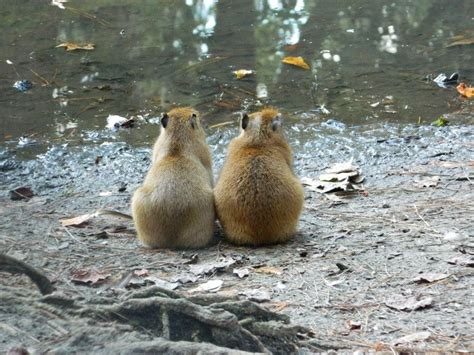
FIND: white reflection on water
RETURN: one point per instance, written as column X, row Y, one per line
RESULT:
column 388, row 41
column 205, row 16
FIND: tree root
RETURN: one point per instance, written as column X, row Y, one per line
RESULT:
column 163, row 322
column 15, row 266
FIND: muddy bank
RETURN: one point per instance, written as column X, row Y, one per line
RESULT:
column 348, row 275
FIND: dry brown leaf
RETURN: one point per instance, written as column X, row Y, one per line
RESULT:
column 465, row 90
column 296, row 61
column 84, row 276
column 353, row 325
column 79, row 221
column 21, row 193
column 242, row 73
column 71, row 46
column 268, row 270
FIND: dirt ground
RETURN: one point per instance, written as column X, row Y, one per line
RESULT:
column 393, row 260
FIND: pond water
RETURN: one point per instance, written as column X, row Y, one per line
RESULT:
column 368, row 63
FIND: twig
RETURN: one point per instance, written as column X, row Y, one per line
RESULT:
column 46, row 82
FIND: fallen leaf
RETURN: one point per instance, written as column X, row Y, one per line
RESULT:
column 429, row 277
column 345, row 167
column 462, row 260
column 440, row 122
column 353, row 325
column 162, row 283
column 241, row 272
column 429, row 181
column 296, row 61
column 419, row 336
column 338, row 176
column 256, row 295
column 242, row 73
column 208, row 268
column 85, row 276
column 82, row 220
column 209, row 286
column 21, row 193
column 411, row 303
column 71, row 46
column 79, row 221
column 142, row 272
column 268, row 270
column 465, row 90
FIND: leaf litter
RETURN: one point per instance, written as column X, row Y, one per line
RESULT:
column 72, row 46
column 465, row 90
column 88, row 276
column 83, row 220
column 296, row 61
column 242, row 73
column 408, row 303
column 340, row 177
column 210, row 268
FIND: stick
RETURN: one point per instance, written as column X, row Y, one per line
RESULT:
column 15, row 266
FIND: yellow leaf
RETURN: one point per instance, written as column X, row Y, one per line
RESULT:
column 296, row 61
column 242, row 73
column 465, row 90
column 71, row 46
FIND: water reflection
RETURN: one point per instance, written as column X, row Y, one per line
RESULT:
column 152, row 55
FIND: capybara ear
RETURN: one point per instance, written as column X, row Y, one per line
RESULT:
column 193, row 121
column 244, row 120
column 164, row 120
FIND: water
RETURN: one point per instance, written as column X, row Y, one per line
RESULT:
column 368, row 60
